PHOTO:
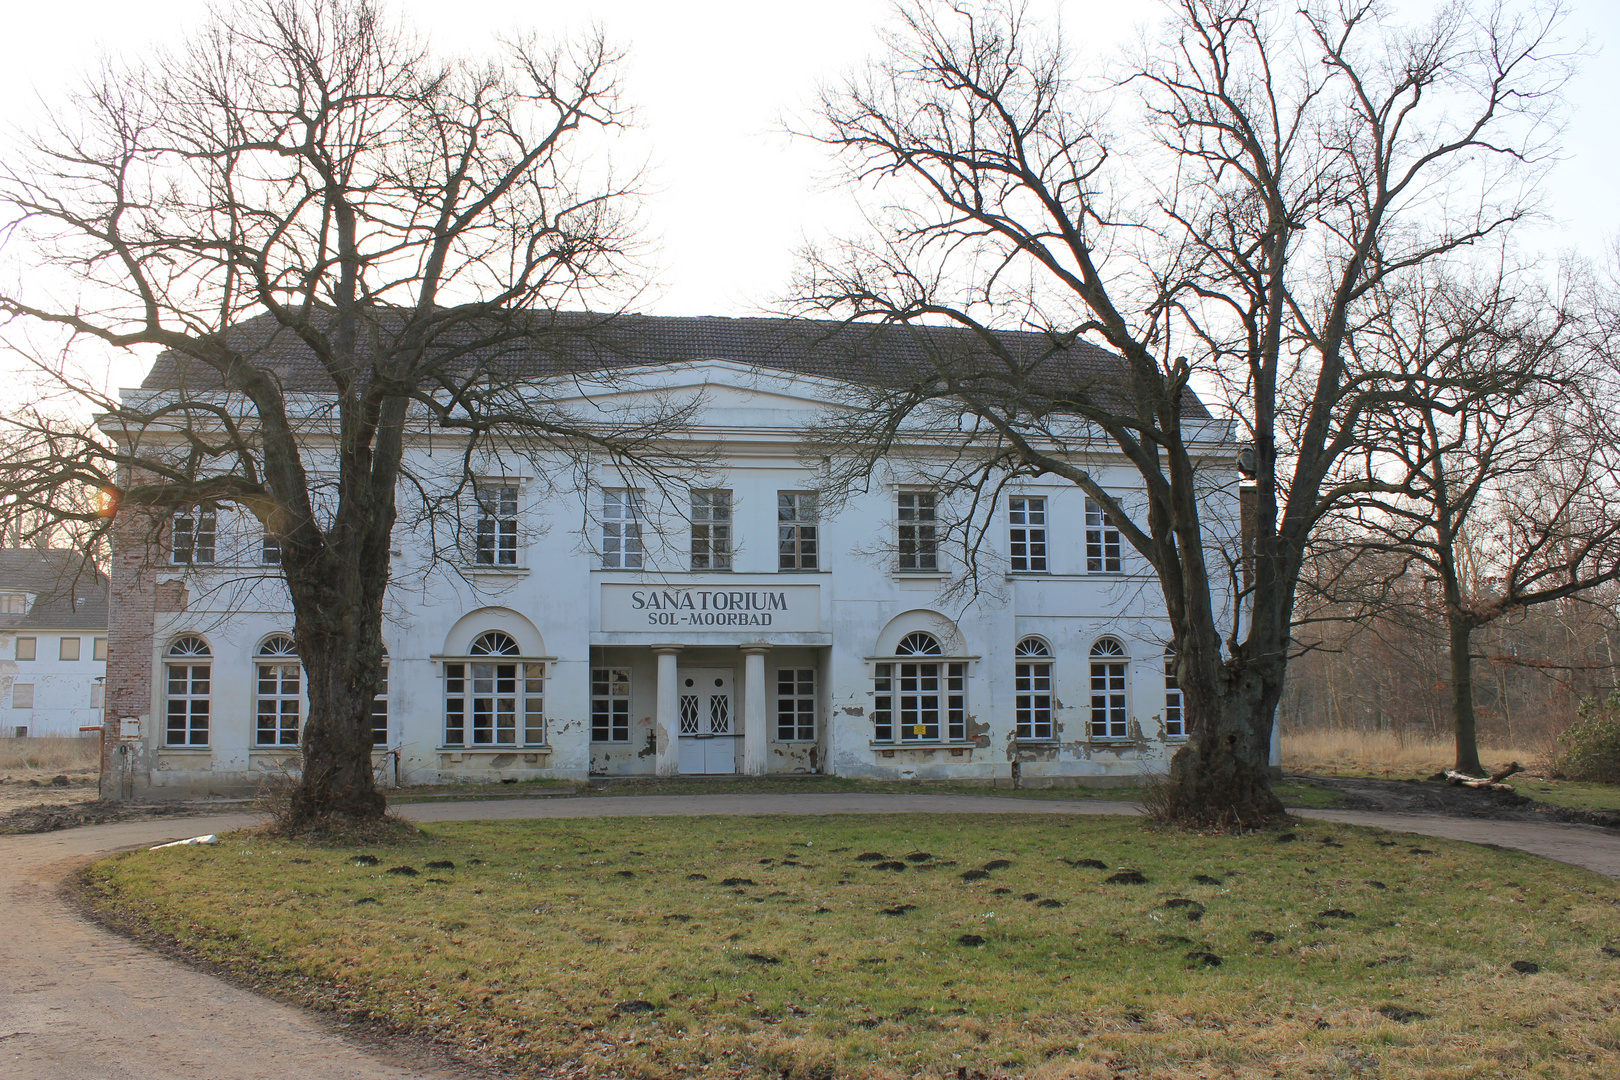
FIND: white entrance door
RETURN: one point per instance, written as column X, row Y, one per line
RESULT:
column 708, row 739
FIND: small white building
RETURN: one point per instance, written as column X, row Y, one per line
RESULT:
column 594, row 625
column 53, row 642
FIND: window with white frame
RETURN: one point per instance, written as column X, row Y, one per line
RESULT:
column 915, row 537
column 1026, row 525
column 1175, row 724
column 711, row 530
column 494, row 701
column 1108, row 713
column 610, row 705
column 621, row 530
column 1032, row 689
column 1102, row 541
column 798, row 531
column 269, row 549
column 795, row 704
column 193, row 538
column 187, row 670
column 497, row 538
column 919, row 700
column 279, row 698
column 13, row 603
column 379, row 707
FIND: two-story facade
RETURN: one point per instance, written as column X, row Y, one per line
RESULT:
column 745, row 622
column 53, row 643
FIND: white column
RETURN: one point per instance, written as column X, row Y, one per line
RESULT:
column 667, row 715
column 754, row 758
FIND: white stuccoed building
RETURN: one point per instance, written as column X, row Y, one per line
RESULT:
column 591, row 623
column 53, row 643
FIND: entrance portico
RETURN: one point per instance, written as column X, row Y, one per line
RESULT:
column 696, row 714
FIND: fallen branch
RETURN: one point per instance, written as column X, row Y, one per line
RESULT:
column 1492, row 782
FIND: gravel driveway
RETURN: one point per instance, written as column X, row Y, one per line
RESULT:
column 78, row 1002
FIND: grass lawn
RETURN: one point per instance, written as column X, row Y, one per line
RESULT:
column 781, row 947
column 1571, row 793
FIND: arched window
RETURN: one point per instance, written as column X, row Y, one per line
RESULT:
column 1175, row 724
column 483, row 700
column 280, row 697
column 494, row 643
column 187, row 675
column 1032, row 689
column 1108, row 714
column 379, row 707
column 918, row 643
column 919, row 702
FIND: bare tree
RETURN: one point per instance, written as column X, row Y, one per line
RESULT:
column 341, row 244
column 1296, row 162
column 1501, row 477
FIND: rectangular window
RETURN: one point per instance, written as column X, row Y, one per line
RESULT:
column 22, row 695
column 13, row 603
column 26, row 647
column 1102, row 541
column 194, row 532
column 1175, row 726
column 187, row 720
column 99, row 649
column 795, row 704
column 711, row 530
column 918, row 702
column 69, row 649
column 621, row 530
column 379, row 712
column 497, row 526
column 1032, row 700
column 485, row 704
column 915, row 531
column 798, row 544
column 280, row 703
column 98, row 694
column 269, row 550
column 610, row 705
column 1108, row 718
column 1026, row 520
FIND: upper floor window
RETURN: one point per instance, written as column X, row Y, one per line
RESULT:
column 497, row 526
column 621, row 530
column 269, row 550
column 280, row 692
column 711, row 530
column 13, row 603
column 915, row 537
column 194, row 536
column 99, row 649
column 492, row 702
column 69, row 649
column 1032, row 689
column 26, row 647
column 1026, row 520
column 187, row 670
column 1175, row 724
column 798, row 545
column 1109, row 719
column 1102, row 541
column 379, row 707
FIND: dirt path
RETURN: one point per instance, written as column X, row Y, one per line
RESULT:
column 80, row 1003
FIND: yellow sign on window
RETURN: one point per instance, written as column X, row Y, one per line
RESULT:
column 918, row 729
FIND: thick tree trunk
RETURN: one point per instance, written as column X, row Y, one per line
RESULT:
column 1222, row 778
column 1462, row 695
column 337, row 780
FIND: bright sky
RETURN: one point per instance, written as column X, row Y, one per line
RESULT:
column 711, row 80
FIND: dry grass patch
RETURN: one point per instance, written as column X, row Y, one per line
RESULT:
column 769, row 947
column 1355, row 753
column 51, row 754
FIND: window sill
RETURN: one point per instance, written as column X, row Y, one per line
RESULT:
column 922, row 745
column 484, row 748
column 1112, row 740
column 492, row 571
column 267, row 749
column 1035, row 742
column 920, row 575
column 185, row 749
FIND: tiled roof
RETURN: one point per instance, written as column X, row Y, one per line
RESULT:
column 68, row 594
column 576, row 343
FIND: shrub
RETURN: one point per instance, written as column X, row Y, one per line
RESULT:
column 1591, row 746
